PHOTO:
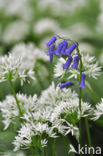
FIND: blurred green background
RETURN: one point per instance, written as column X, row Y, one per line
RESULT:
column 25, row 21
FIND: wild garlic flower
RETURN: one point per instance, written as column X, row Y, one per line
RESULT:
column 64, row 103
column 32, row 134
column 9, row 107
column 69, row 110
column 24, row 138
column 98, row 112
column 91, row 66
column 58, row 70
column 45, row 25
column 11, row 69
column 15, row 31
column 13, row 8
column 29, row 54
column 55, row 112
column 53, row 95
column 55, row 6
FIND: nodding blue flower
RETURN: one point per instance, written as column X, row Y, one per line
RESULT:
column 68, row 62
column 51, row 41
column 70, row 50
column 82, row 84
column 66, row 84
column 65, row 45
column 59, row 48
column 76, row 62
column 50, row 53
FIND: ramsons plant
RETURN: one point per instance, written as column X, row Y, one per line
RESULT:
column 60, row 109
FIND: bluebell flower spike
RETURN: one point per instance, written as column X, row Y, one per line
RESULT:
column 75, row 63
column 66, row 84
column 71, row 48
column 68, row 63
column 51, row 41
column 82, row 84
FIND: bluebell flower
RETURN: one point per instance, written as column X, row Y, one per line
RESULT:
column 82, row 84
column 71, row 48
column 61, row 48
column 65, row 45
column 68, row 62
column 76, row 62
column 66, row 84
column 50, row 53
column 51, row 41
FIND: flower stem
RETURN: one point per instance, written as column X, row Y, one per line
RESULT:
column 80, row 97
column 88, row 135
column 14, row 93
column 54, row 147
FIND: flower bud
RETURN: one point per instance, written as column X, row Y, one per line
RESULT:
column 67, row 64
column 66, row 84
column 82, row 84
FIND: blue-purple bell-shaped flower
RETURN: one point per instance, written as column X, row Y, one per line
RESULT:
column 65, row 45
column 66, row 84
column 50, row 53
column 68, row 62
column 71, row 48
column 76, row 62
column 51, row 41
column 82, row 84
column 59, row 48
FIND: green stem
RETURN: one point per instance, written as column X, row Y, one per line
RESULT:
column 14, row 93
column 80, row 97
column 54, row 147
column 36, row 152
column 65, row 140
column 44, row 151
column 88, row 134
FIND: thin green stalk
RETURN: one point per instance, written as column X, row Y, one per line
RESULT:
column 80, row 99
column 44, row 151
column 14, row 93
column 54, row 147
column 37, row 152
column 88, row 134
column 80, row 96
column 65, row 143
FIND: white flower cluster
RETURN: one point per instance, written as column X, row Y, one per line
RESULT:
column 10, row 69
column 29, row 54
column 45, row 25
column 13, row 7
column 98, row 112
column 9, row 107
column 60, row 6
column 55, row 112
column 15, row 31
column 90, row 67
